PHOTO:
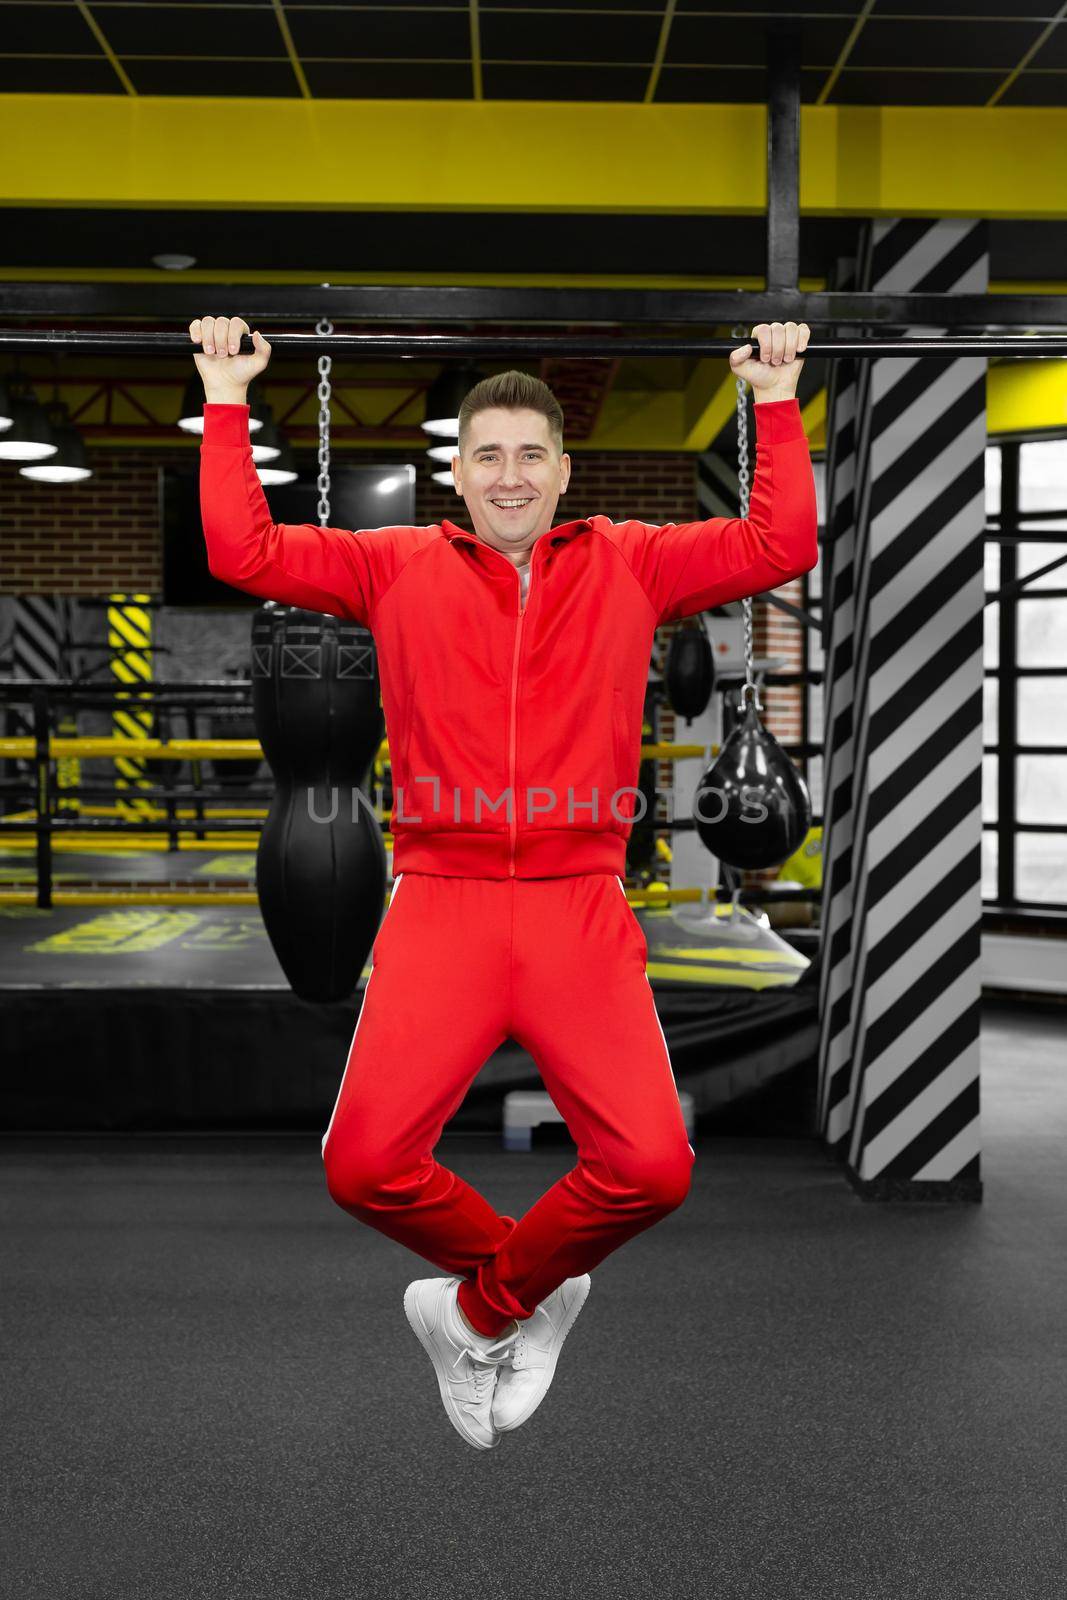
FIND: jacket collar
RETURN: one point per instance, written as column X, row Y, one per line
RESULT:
column 558, row 535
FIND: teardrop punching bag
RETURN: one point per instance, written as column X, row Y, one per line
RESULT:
column 689, row 673
column 321, row 865
column 751, row 807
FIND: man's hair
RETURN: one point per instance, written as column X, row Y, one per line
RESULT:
column 512, row 391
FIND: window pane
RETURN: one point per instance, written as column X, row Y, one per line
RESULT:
column 990, row 623
column 990, row 695
column 819, row 471
column 1041, row 789
column 992, row 480
column 1034, row 556
column 814, row 779
column 989, row 866
column 989, row 788
column 992, row 566
column 815, row 714
column 1041, row 867
column 1042, row 632
column 1043, row 711
column 1043, row 475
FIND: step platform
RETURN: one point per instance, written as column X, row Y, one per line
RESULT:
column 527, row 1109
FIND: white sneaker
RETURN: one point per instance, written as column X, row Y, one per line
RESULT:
column 524, row 1380
column 466, row 1363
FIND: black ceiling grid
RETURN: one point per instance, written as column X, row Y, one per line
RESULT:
column 947, row 52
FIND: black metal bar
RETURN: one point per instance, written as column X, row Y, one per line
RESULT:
column 399, row 303
column 1017, row 585
column 257, row 793
column 442, row 346
column 796, row 612
column 150, row 825
column 783, row 159
column 87, row 697
column 1028, row 672
column 995, row 523
column 1007, row 693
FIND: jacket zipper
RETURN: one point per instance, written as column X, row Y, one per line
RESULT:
column 513, row 825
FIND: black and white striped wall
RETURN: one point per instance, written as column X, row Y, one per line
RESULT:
column 900, row 988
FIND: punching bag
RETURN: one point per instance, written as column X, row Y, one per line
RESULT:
column 752, row 808
column 641, row 845
column 689, row 672
column 321, row 865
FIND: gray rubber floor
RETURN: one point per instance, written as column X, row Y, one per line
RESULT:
column 783, row 1391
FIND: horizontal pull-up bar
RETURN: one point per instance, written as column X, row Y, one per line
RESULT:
column 1029, row 347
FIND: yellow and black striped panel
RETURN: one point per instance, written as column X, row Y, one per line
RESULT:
column 129, row 637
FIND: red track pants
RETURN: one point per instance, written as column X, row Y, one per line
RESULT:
column 460, row 965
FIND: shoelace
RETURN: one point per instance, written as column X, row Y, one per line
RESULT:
column 485, row 1363
column 518, row 1360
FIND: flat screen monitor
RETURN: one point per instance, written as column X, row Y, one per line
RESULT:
column 360, row 497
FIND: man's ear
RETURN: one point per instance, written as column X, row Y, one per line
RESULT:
column 564, row 473
column 457, row 474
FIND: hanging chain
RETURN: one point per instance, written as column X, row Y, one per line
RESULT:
column 743, row 480
column 324, row 391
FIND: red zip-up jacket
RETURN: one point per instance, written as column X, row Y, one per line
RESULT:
column 514, row 729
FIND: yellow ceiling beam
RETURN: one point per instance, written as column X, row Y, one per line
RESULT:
column 278, row 154
column 709, row 403
column 1026, row 397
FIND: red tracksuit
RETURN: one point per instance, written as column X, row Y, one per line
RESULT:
column 514, row 735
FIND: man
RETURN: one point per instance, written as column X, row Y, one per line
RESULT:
column 513, row 664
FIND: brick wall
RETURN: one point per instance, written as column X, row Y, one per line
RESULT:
column 104, row 534
column 86, row 538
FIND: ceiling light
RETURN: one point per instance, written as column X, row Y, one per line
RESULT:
column 5, row 406
column 443, row 452
column 69, row 463
column 441, row 477
column 29, row 437
column 282, row 469
column 444, row 397
column 191, row 416
column 171, row 261
column 267, row 443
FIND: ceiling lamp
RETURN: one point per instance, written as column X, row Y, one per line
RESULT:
column 444, row 397
column 69, row 463
column 191, row 415
column 5, row 406
column 29, row 437
column 443, row 452
column 282, row 469
column 441, row 477
column 267, row 442
column 173, row 261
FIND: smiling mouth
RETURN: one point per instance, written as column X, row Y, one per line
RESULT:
column 512, row 505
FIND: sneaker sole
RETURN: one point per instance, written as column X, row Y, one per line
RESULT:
column 422, row 1334
column 565, row 1327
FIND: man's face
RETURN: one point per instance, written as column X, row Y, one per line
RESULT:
column 511, row 476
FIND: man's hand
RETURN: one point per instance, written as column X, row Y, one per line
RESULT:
column 774, row 373
column 225, row 372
